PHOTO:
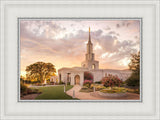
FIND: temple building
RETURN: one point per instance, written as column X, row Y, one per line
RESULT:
column 75, row 75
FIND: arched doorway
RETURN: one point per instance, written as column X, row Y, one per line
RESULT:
column 77, row 80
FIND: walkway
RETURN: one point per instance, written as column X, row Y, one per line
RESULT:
column 80, row 95
column 96, row 96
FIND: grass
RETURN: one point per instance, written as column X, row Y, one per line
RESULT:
column 54, row 92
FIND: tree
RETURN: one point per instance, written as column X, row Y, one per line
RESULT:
column 40, row 71
column 134, row 65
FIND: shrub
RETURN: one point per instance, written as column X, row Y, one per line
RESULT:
column 88, row 76
column 133, row 80
column 29, row 91
column 39, row 84
column 98, row 82
column 68, row 83
column 87, row 83
column 23, row 88
column 61, row 83
column 111, row 81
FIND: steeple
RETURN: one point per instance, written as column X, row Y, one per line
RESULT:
column 90, row 62
column 89, row 54
column 89, row 40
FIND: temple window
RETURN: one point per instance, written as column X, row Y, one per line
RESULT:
column 93, row 66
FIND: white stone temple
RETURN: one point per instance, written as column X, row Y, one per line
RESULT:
column 75, row 75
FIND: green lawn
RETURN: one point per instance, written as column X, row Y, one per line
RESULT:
column 54, row 92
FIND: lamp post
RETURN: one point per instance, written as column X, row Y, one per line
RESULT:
column 94, row 89
column 73, row 93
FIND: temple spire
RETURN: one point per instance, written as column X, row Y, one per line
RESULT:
column 89, row 41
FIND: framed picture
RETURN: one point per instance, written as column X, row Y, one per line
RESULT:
column 115, row 76
column 80, row 60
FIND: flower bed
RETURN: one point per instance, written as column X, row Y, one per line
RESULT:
column 87, row 83
column 97, row 87
column 113, row 92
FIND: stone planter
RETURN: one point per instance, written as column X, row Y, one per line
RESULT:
column 112, row 94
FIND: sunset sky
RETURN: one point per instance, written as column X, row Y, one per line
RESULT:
column 63, row 42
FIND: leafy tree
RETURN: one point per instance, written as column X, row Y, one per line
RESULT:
column 40, row 71
column 134, row 65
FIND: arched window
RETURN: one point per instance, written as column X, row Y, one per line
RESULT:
column 93, row 66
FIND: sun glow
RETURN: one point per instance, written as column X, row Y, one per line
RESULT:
column 115, row 42
column 23, row 73
column 97, row 46
column 124, row 62
column 104, row 55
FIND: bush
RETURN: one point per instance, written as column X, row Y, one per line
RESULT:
column 29, row 91
column 23, row 88
column 87, row 83
column 88, row 76
column 68, row 83
column 98, row 82
column 39, row 84
column 111, row 81
column 61, row 83
column 133, row 80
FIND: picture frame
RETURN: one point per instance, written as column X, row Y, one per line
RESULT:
column 12, row 109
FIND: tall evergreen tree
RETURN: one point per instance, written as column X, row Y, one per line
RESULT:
column 134, row 65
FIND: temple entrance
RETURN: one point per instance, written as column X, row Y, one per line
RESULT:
column 77, row 80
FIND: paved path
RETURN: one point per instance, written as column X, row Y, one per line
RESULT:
column 96, row 96
column 80, row 95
